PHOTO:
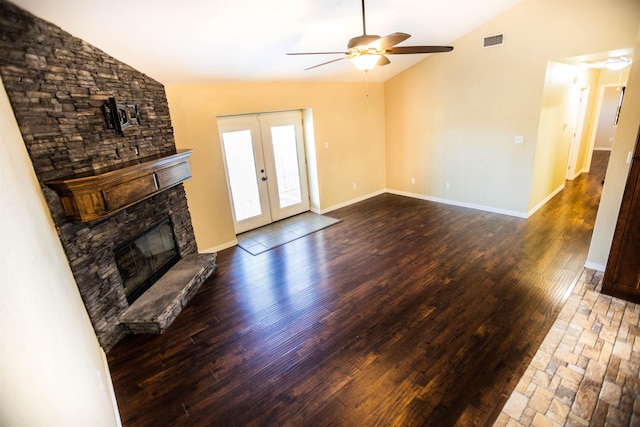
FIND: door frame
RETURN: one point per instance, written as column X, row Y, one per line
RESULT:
column 576, row 137
column 259, row 124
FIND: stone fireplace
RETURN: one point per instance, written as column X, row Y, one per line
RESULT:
column 144, row 259
column 58, row 85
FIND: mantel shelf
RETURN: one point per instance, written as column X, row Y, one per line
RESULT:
column 91, row 197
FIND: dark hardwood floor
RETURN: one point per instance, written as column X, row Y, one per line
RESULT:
column 407, row 312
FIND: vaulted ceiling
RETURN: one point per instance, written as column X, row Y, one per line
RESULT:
column 199, row 41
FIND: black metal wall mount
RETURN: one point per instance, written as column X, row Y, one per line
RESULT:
column 120, row 116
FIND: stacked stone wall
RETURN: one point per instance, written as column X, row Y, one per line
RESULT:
column 57, row 85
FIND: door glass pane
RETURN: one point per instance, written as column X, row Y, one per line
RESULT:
column 241, row 167
column 286, row 158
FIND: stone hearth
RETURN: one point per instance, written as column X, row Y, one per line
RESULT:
column 154, row 311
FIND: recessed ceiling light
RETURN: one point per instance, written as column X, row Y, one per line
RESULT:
column 617, row 64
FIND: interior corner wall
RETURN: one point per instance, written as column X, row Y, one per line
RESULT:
column 53, row 371
column 349, row 132
column 452, row 118
column 618, row 168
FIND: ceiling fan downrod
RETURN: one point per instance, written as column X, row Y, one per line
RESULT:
column 364, row 24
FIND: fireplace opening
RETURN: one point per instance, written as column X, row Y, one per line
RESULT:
column 144, row 259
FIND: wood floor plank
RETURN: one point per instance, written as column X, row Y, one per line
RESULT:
column 407, row 312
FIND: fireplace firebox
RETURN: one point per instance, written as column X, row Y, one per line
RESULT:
column 145, row 258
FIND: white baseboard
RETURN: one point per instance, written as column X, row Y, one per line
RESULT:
column 601, row 148
column 110, row 391
column 544, row 202
column 350, row 202
column 594, row 266
column 461, row 204
column 484, row 208
column 221, row 247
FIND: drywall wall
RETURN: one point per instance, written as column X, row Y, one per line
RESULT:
column 618, row 168
column 53, row 372
column 348, row 142
column 452, row 119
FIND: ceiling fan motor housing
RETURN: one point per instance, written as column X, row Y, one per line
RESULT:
column 362, row 41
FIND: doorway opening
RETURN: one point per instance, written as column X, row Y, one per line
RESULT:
column 605, row 122
column 264, row 158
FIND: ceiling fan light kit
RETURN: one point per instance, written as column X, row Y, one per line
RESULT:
column 367, row 51
column 365, row 61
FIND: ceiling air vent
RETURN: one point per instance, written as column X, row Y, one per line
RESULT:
column 495, row 40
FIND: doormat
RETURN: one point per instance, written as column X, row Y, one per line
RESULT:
column 284, row 231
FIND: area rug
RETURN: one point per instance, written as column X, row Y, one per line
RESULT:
column 278, row 233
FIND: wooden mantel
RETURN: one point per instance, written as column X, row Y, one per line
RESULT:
column 94, row 196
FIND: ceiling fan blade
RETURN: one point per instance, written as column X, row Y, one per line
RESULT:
column 325, row 63
column 317, row 53
column 399, row 50
column 383, row 61
column 389, row 40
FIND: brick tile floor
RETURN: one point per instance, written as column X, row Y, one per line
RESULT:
column 586, row 371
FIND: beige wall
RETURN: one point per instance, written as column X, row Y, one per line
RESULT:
column 453, row 117
column 52, row 370
column 618, row 169
column 344, row 118
column 449, row 122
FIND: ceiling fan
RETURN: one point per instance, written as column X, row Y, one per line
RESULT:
column 367, row 51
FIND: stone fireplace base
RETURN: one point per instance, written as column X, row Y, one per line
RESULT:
column 154, row 310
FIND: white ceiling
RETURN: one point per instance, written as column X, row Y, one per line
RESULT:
column 202, row 41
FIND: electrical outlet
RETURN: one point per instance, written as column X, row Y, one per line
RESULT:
column 413, row 180
column 448, row 185
column 519, row 139
column 355, row 185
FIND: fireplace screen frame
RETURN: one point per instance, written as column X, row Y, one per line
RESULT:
column 142, row 260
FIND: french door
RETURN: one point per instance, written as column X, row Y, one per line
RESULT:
column 265, row 166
